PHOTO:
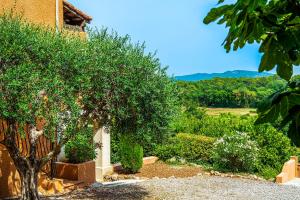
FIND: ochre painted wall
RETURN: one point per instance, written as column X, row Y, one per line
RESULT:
column 9, row 177
column 34, row 11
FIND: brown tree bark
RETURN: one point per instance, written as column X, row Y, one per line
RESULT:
column 29, row 184
column 28, row 167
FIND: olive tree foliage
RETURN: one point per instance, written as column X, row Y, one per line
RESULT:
column 139, row 96
column 58, row 83
column 275, row 26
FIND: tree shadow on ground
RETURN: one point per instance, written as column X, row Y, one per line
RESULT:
column 124, row 192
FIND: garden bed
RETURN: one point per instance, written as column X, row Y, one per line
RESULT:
column 158, row 170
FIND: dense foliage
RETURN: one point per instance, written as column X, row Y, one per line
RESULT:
column 274, row 25
column 229, row 92
column 81, row 148
column 273, row 147
column 66, row 83
column 193, row 148
column 131, row 154
column 235, row 152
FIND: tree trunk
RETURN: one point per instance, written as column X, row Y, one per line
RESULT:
column 28, row 167
column 29, row 181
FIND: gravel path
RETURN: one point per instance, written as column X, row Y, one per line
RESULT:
column 206, row 188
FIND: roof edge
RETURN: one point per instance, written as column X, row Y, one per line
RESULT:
column 79, row 12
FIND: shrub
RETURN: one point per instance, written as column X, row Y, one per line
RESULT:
column 274, row 148
column 235, row 152
column 81, row 148
column 193, row 148
column 268, row 172
column 131, row 154
column 167, row 151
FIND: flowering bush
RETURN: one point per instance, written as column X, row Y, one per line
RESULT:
column 235, row 152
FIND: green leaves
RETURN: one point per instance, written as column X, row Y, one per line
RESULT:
column 275, row 26
column 69, row 82
column 216, row 13
column 285, row 104
column 285, row 70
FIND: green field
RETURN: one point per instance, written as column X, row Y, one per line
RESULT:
column 235, row 111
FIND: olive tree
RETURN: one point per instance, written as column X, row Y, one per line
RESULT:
column 275, row 26
column 57, row 83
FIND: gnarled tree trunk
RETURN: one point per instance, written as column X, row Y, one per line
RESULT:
column 29, row 184
column 28, row 166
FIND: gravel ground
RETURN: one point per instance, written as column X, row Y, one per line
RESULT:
column 198, row 187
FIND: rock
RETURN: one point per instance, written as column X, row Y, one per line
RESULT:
column 115, row 177
column 155, row 178
column 172, row 177
column 96, row 185
column 207, row 173
column 216, row 173
column 130, row 176
column 199, row 174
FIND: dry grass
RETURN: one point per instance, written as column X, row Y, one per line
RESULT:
column 234, row 111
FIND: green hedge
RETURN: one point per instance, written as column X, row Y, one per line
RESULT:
column 131, row 154
column 190, row 147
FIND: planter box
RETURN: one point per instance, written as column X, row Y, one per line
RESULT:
column 84, row 172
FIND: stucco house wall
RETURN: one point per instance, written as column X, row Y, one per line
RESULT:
column 41, row 12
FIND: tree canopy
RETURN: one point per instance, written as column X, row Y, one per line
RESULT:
column 65, row 82
column 229, row 92
column 275, row 26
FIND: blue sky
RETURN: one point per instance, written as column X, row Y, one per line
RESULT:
column 175, row 29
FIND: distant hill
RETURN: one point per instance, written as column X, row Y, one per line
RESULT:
column 227, row 74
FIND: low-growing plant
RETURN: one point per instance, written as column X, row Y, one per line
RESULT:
column 131, row 154
column 191, row 147
column 167, row 151
column 195, row 147
column 275, row 148
column 81, row 148
column 235, row 152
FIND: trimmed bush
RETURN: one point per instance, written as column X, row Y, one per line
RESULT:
column 235, row 152
column 274, row 149
column 167, row 151
column 190, row 147
column 81, row 149
column 195, row 147
column 131, row 154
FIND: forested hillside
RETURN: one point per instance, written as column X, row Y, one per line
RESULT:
column 229, row 92
column 227, row 74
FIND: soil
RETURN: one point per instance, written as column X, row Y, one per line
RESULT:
column 162, row 170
